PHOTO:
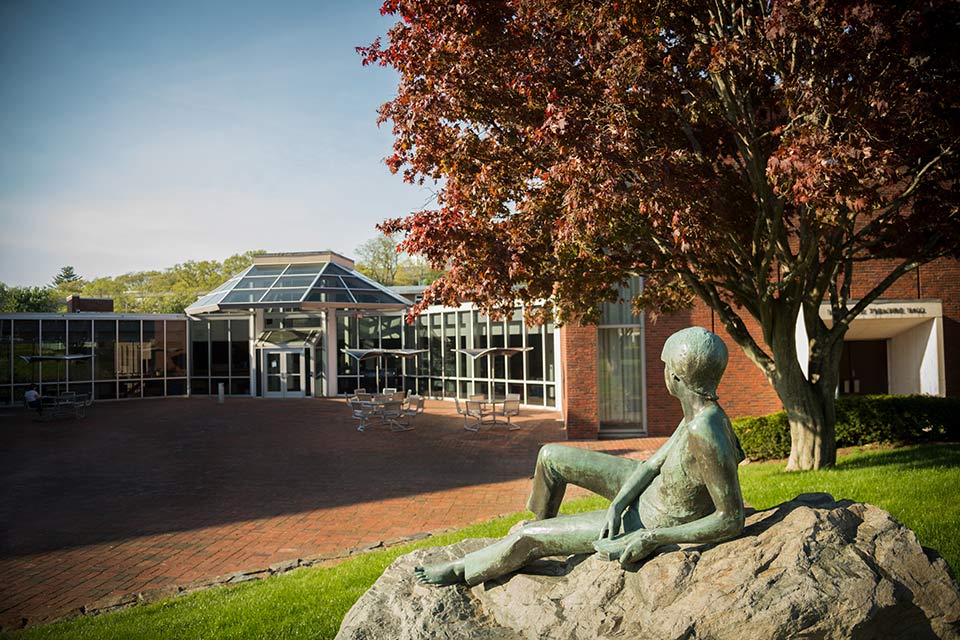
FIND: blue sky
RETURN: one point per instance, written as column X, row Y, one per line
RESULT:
column 135, row 135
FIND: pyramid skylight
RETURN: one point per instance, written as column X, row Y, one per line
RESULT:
column 298, row 285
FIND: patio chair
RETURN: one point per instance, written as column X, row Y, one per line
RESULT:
column 478, row 397
column 359, row 390
column 389, row 391
column 478, row 411
column 462, row 412
column 509, row 408
column 413, row 409
column 391, row 412
column 512, row 396
column 362, row 411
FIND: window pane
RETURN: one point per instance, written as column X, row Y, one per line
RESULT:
column 436, row 349
column 356, row 283
column 515, row 339
column 535, row 357
column 176, row 349
column 620, row 391
column 105, row 390
column 330, row 282
column 621, row 312
column 294, row 281
column 104, row 354
column 6, row 328
column 219, row 348
column 81, row 388
column 153, row 350
column 535, row 394
column 376, row 297
column 266, row 269
column 329, row 295
column 240, row 348
column 248, row 296
column 548, row 350
column 130, row 389
column 200, row 350
column 423, row 342
column 255, row 283
column 54, row 343
column 177, row 387
column 153, row 389
column 450, row 347
column 26, row 342
column 283, row 295
column 81, row 341
column 239, row 387
column 369, row 329
column 128, row 351
column 463, row 342
column 391, row 329
column 296, row 269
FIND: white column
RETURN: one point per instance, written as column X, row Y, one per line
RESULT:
column 330, row 346
column 803, row 344
column 252, row 350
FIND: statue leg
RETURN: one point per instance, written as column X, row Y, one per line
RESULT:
column 571, row 534
column 558, row 465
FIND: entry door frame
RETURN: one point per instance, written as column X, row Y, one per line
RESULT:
column 284, row 376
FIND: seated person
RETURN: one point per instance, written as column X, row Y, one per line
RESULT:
column 32, row 398
column 688, row 491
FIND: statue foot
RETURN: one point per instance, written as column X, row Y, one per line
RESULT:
column 442, row 574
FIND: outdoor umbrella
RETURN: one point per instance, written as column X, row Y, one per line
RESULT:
column 59, row 360
column 367, row 354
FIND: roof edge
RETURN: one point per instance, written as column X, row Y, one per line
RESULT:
column 304, row 257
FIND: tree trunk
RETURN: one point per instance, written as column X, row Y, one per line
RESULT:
column 812, row 416
column 809, row 399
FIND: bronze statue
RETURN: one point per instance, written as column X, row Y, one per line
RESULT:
column 688, row 491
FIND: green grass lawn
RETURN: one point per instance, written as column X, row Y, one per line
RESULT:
column 918, row 485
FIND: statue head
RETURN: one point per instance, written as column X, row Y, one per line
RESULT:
column 697, row 358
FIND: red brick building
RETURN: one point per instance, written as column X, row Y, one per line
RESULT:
column 907, row 342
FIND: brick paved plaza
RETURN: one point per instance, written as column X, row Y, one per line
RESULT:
column 146, row 494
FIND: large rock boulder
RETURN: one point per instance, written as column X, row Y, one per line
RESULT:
column 810, row 568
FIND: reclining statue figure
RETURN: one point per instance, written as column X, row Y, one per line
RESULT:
column 688, row 491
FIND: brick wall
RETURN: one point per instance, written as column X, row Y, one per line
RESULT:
column 76, row 304
column 578, row 360
column 744, row 391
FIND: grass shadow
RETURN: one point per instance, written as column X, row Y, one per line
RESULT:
column 926, row 456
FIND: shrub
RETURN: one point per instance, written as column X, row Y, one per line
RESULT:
column 860, row 420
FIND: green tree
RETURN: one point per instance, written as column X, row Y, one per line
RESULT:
column 169, row 290
column 66, row 276
column 28, row 299
column 752, row 154
column 379, row 259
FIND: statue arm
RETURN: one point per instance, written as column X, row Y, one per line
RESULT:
column 718, row 469
column 638, row 481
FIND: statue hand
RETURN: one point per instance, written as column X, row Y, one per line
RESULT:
column 612, row 525
column 640, row 544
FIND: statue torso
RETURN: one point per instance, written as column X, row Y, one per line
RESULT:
column 677, row 495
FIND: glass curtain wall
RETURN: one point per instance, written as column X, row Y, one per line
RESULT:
column 621, row 364
column 115, row 370
column 442, row 372
column 220, row 351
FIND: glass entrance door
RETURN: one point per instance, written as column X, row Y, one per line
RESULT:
column 283, row 373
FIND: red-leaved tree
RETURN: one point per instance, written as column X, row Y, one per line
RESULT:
column 747, row 153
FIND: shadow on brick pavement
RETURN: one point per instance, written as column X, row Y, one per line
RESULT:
column 153, row 493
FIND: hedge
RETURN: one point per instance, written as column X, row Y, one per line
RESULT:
column 860, row 420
